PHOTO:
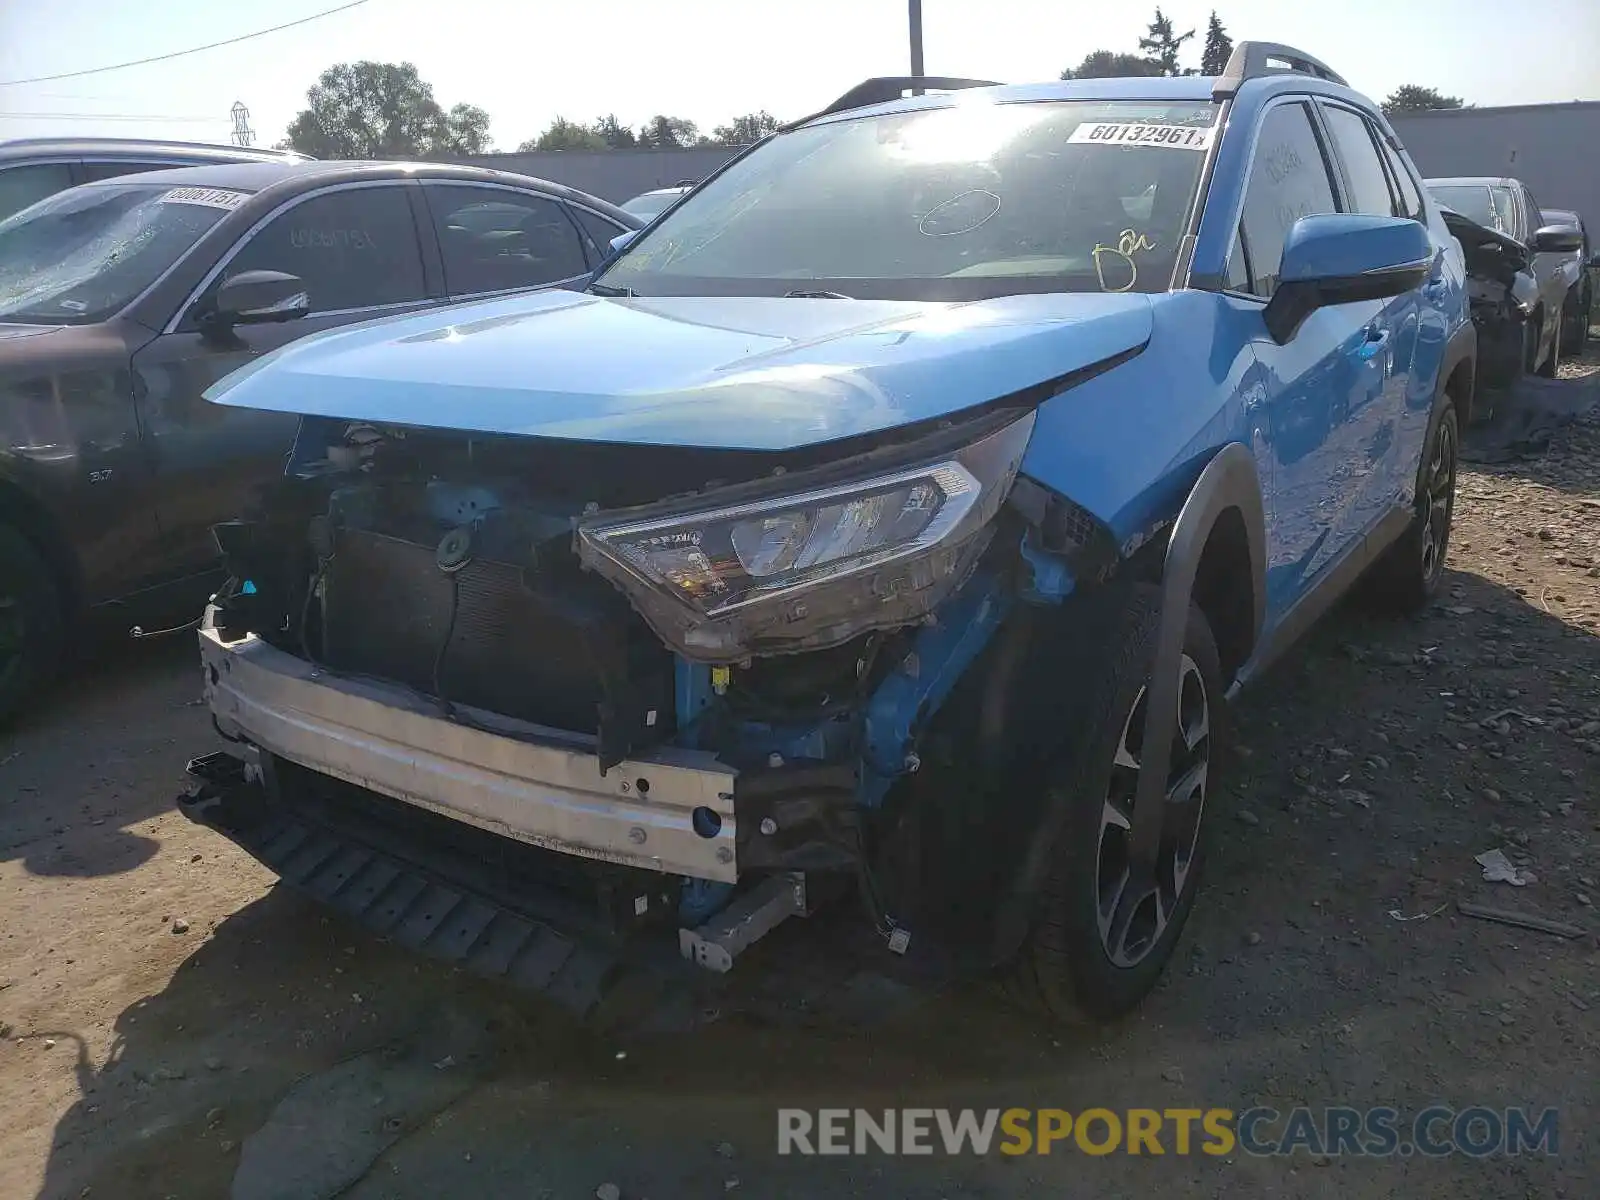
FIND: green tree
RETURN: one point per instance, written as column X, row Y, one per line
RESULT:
column 1411, row 98
column 1218, row 48
column 563, row 134
column 383, row 110
column 745, row 130
column 668, row 133
column 1161, row 45
column 614, row 133
column 1103, row 64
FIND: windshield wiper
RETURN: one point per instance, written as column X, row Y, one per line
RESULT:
column 605, row 289
column 801, row 294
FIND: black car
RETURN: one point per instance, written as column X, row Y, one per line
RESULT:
column 1579, row 310
column 33, row 168
column 1507, row 207
column 122, row 301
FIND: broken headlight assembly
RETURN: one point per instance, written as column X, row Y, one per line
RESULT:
column 814, row 565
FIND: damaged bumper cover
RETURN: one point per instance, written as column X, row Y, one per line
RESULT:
column 670, row 812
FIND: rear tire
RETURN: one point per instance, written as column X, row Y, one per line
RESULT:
column 1407, row 576
column 1099, row 942
column 31, row 627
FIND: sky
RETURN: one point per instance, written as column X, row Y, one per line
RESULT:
column 527, row 61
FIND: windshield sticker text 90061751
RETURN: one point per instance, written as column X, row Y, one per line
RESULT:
column 208, row 197
column 1143, row 133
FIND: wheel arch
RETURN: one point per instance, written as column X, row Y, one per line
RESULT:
column 29, row 516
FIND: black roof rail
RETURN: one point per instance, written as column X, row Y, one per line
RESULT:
column 1252, row 60
column 891, row 87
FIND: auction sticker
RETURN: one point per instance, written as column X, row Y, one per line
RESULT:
column 1144, row 133
column 209, row 197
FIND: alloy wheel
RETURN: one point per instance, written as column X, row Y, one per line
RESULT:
column 1136, row 903
column 1439, row 496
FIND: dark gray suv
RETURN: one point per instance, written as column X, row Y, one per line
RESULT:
column 33, row 168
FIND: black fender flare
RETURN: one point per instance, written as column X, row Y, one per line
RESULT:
column 1229, row 481
column 1462, row 347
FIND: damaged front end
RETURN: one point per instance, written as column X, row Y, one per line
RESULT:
column 492, row 695
column 1502, row 294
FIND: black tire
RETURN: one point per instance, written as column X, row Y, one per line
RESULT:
column 1407, row 576
column 30, row 622
column 1576, row 339
column 1067, row 966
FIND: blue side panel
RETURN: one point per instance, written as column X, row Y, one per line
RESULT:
column 1127, row 445
column 916, row 688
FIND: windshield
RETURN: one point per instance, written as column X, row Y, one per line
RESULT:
column 963, row 202
column 651, row 204
column 1488, row 206
column 83, row 254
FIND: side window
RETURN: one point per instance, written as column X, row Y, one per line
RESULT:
column 493, row 239
column 354, row 248
column 93, row 172
column 22, row 186
column 1410, row 198
column 1288, row 180
column 600, row 229
column 1369, row 186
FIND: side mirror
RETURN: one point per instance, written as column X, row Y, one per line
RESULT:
column 1340, row 258
column 622, row 240
column 259, row 298
column 1557, row 239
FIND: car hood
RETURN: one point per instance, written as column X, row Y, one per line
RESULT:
column 714, row 372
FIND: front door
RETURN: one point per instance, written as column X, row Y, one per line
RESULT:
column 356, row 248
column 1314, row 389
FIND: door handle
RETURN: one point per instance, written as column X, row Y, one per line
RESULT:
column 1377, row 339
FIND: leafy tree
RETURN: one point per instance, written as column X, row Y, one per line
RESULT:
column 1218, row 48
column 614, row 133
column 1411, row 98
column 563, row 134
column 1103, row 64
column 383, row 110
column 1161, row 45
column 668, row 133
column 745, row 130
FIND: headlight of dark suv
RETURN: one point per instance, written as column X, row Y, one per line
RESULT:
column 781, row 572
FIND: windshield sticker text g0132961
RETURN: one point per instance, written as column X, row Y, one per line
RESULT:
column 209, row 197
column 1143, row 133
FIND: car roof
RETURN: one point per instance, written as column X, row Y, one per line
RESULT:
column 258, row 176
column 1472, row 181
column 74, row 147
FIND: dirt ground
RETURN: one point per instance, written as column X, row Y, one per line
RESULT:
column 170, row 1026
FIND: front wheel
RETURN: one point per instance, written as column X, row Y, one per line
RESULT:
column 30, row 622
column 1109, row 918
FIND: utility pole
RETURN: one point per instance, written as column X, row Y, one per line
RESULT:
column 243, row 135
column 915, row 16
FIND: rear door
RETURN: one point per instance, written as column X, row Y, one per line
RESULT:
column 494, row 239
column 1380, row 409
column 357, row 249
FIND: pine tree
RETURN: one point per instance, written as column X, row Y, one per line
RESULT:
column 1218, row 49
column 1162, row 46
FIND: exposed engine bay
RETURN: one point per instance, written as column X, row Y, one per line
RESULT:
column 1501, row 294
column 710, row 707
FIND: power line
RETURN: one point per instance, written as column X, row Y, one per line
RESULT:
column 83, row 116
column 139, row 62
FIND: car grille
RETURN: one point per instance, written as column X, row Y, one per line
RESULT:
column 524, row 651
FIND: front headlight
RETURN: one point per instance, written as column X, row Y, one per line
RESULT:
column 815, row 567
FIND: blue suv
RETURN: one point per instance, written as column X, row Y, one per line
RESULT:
column 888, row 525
